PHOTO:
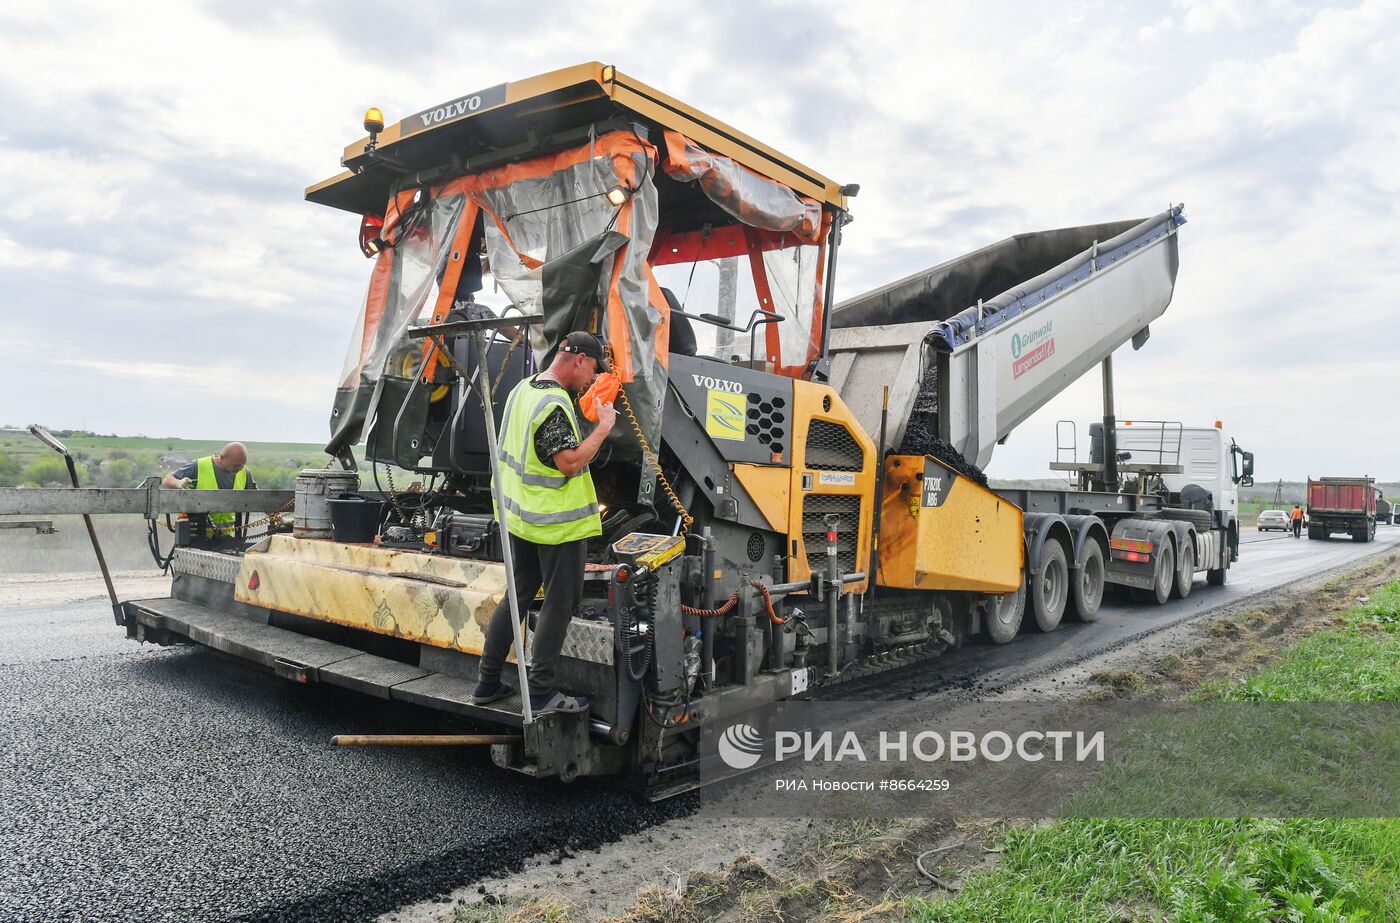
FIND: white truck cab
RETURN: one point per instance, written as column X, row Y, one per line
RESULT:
column 1208, row 458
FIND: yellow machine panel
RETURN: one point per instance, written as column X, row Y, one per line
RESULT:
column 833, row 471
column 769, row 485
column 940, row 530
column 443, row 601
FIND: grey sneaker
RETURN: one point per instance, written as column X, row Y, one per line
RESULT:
column 553, row 700
column 486, row 693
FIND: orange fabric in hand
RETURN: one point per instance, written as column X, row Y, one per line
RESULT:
column 603, row 391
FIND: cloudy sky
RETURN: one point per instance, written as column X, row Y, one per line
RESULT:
column 160, row 273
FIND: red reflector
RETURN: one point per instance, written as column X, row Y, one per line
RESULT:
column 253, row 581
column 623, row 574
column 831, row 537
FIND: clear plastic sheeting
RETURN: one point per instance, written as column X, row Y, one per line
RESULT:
column 424, row 242
column 544, row 217
column 542, row 209
column 403, row 287
column 532, row 212
column 794, row 281
column 751, row 199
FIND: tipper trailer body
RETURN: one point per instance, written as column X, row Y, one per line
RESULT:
column 773, row 524
column 1342, row 505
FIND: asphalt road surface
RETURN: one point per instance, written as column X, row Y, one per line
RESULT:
column 1267, row 560
column 140, row 783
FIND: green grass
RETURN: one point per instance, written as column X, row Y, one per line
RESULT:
column 1096, row 870
column 1358, row 664
column 1190, row 871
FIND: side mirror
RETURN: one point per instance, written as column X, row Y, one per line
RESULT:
column 1247, row 468
column 1247, row 481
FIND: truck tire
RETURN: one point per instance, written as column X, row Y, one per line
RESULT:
column 1050, row 588
column 1315, row 532
column 1086, row 592
column 1201, row 519
column 1004, row 613
column 1163, row 578
column 1185, row 576
column 1216, row 577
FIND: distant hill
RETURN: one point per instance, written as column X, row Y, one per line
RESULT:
column 123, row 461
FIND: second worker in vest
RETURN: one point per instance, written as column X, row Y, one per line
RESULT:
column 224, row 470
column 551, row 511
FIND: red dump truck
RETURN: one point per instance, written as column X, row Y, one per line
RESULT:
column 1342, row 505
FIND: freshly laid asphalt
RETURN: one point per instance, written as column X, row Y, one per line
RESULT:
column 140, row 783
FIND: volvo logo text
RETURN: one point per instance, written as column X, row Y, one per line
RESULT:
column 717, row 384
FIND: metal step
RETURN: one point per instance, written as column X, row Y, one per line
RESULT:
column 312, row 660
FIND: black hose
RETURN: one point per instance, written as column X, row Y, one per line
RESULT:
column 153, row 542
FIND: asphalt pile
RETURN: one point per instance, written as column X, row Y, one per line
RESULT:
column 171, row 784
column 921, row 433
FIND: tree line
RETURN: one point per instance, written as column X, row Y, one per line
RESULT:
column 122, row 468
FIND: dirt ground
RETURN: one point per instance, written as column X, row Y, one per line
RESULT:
column 32, row 589
column 729, row 869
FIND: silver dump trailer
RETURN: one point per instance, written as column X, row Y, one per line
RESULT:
column 990, row 337
column 974, row 346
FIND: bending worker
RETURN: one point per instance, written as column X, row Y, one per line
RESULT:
column 226, row 469
column 1297, row 517
column 551, row 511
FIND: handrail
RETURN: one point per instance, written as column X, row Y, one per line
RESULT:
column 758, row 317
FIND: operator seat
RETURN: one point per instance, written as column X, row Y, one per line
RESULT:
column 683, row 340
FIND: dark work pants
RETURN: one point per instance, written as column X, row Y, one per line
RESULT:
column 559, row 568
column 1297, row 527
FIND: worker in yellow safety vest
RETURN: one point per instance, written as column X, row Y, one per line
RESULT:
column 551, row 511
column 224, row 470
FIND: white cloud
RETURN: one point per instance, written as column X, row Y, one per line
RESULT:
column 15, row 256
column 1209, row 15
column 250, row 380
column 1156, row 31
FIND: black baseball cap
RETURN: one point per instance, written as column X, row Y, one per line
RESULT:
column 584, row 343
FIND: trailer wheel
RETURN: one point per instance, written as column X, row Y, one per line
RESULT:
column 1004, row 614
column 1050, row 587
column 1163, row 578
column 1086, row 593
column 1315, row 532
column 1185, row 575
